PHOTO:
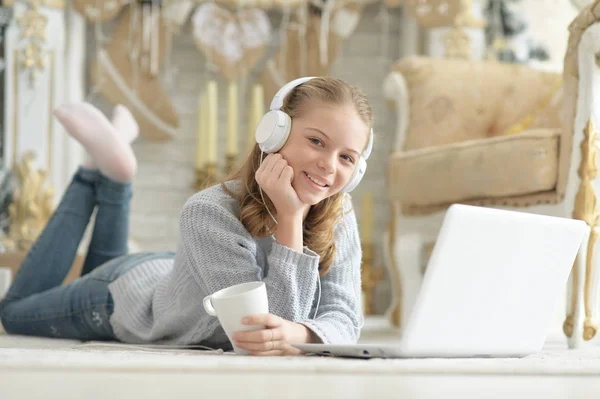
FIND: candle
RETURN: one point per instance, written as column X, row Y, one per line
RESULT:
column 213, row 127
column 201, row 134
column 256, row 113
column 232, row 119
column 367, row 218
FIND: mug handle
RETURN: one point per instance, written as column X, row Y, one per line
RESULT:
column 208, row 306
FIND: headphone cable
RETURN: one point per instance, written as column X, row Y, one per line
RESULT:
column 261, row 192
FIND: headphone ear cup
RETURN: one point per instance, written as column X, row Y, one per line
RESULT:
column 273, row 131
column 357, row 175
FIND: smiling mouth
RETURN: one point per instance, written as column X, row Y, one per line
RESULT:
column 316, row 182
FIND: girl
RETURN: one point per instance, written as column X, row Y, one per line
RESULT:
column 281, row 219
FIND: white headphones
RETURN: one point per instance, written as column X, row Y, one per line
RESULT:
column 274, row 129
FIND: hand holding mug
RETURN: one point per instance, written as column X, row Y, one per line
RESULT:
column 275, row 338
column 231, row 305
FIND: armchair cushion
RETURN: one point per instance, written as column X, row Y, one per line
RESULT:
column 499, row 167
column 452, row 100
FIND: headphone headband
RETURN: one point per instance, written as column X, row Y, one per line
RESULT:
column 277, row 101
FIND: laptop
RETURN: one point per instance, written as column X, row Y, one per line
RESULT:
column 491, row 287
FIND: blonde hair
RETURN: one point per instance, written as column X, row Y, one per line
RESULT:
column 318, row 230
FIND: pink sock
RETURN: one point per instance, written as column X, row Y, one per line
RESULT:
column 110, row 151
column 125, row 123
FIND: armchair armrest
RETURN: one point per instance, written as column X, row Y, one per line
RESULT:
column 582, row 119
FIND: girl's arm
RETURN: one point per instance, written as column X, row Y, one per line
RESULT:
column 220, row 253
column 339, row 316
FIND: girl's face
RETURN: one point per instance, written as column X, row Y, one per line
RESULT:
column 323, row 148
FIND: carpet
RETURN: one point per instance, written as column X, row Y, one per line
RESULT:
column 17, row 352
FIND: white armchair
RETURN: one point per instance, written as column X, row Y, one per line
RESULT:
column 532, row 148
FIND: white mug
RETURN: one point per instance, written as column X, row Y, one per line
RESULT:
column 5, row 280
column 232, row 304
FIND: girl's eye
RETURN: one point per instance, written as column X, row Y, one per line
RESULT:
column 316, row 141
column 348, row 158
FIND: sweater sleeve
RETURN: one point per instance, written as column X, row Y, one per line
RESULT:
column 339, row 314
column 221, row 253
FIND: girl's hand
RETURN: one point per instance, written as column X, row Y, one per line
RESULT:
column 275, row 340
column 275, row 177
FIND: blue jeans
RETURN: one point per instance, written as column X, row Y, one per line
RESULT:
column 37, row 303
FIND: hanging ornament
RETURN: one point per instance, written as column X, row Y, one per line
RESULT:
column 127, row 70
column 311, row 43
column 234, row 43
column 99, row 10
column 433, row 13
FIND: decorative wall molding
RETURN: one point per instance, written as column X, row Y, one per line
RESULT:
column 39, row 77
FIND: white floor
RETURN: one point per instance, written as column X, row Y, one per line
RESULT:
column 112, row 385
column 33, row 368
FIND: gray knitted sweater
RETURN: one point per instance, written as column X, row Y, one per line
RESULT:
column 160, row 300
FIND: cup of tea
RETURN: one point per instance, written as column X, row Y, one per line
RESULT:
column 230, row 305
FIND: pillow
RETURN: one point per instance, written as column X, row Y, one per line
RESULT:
column 452, row 100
